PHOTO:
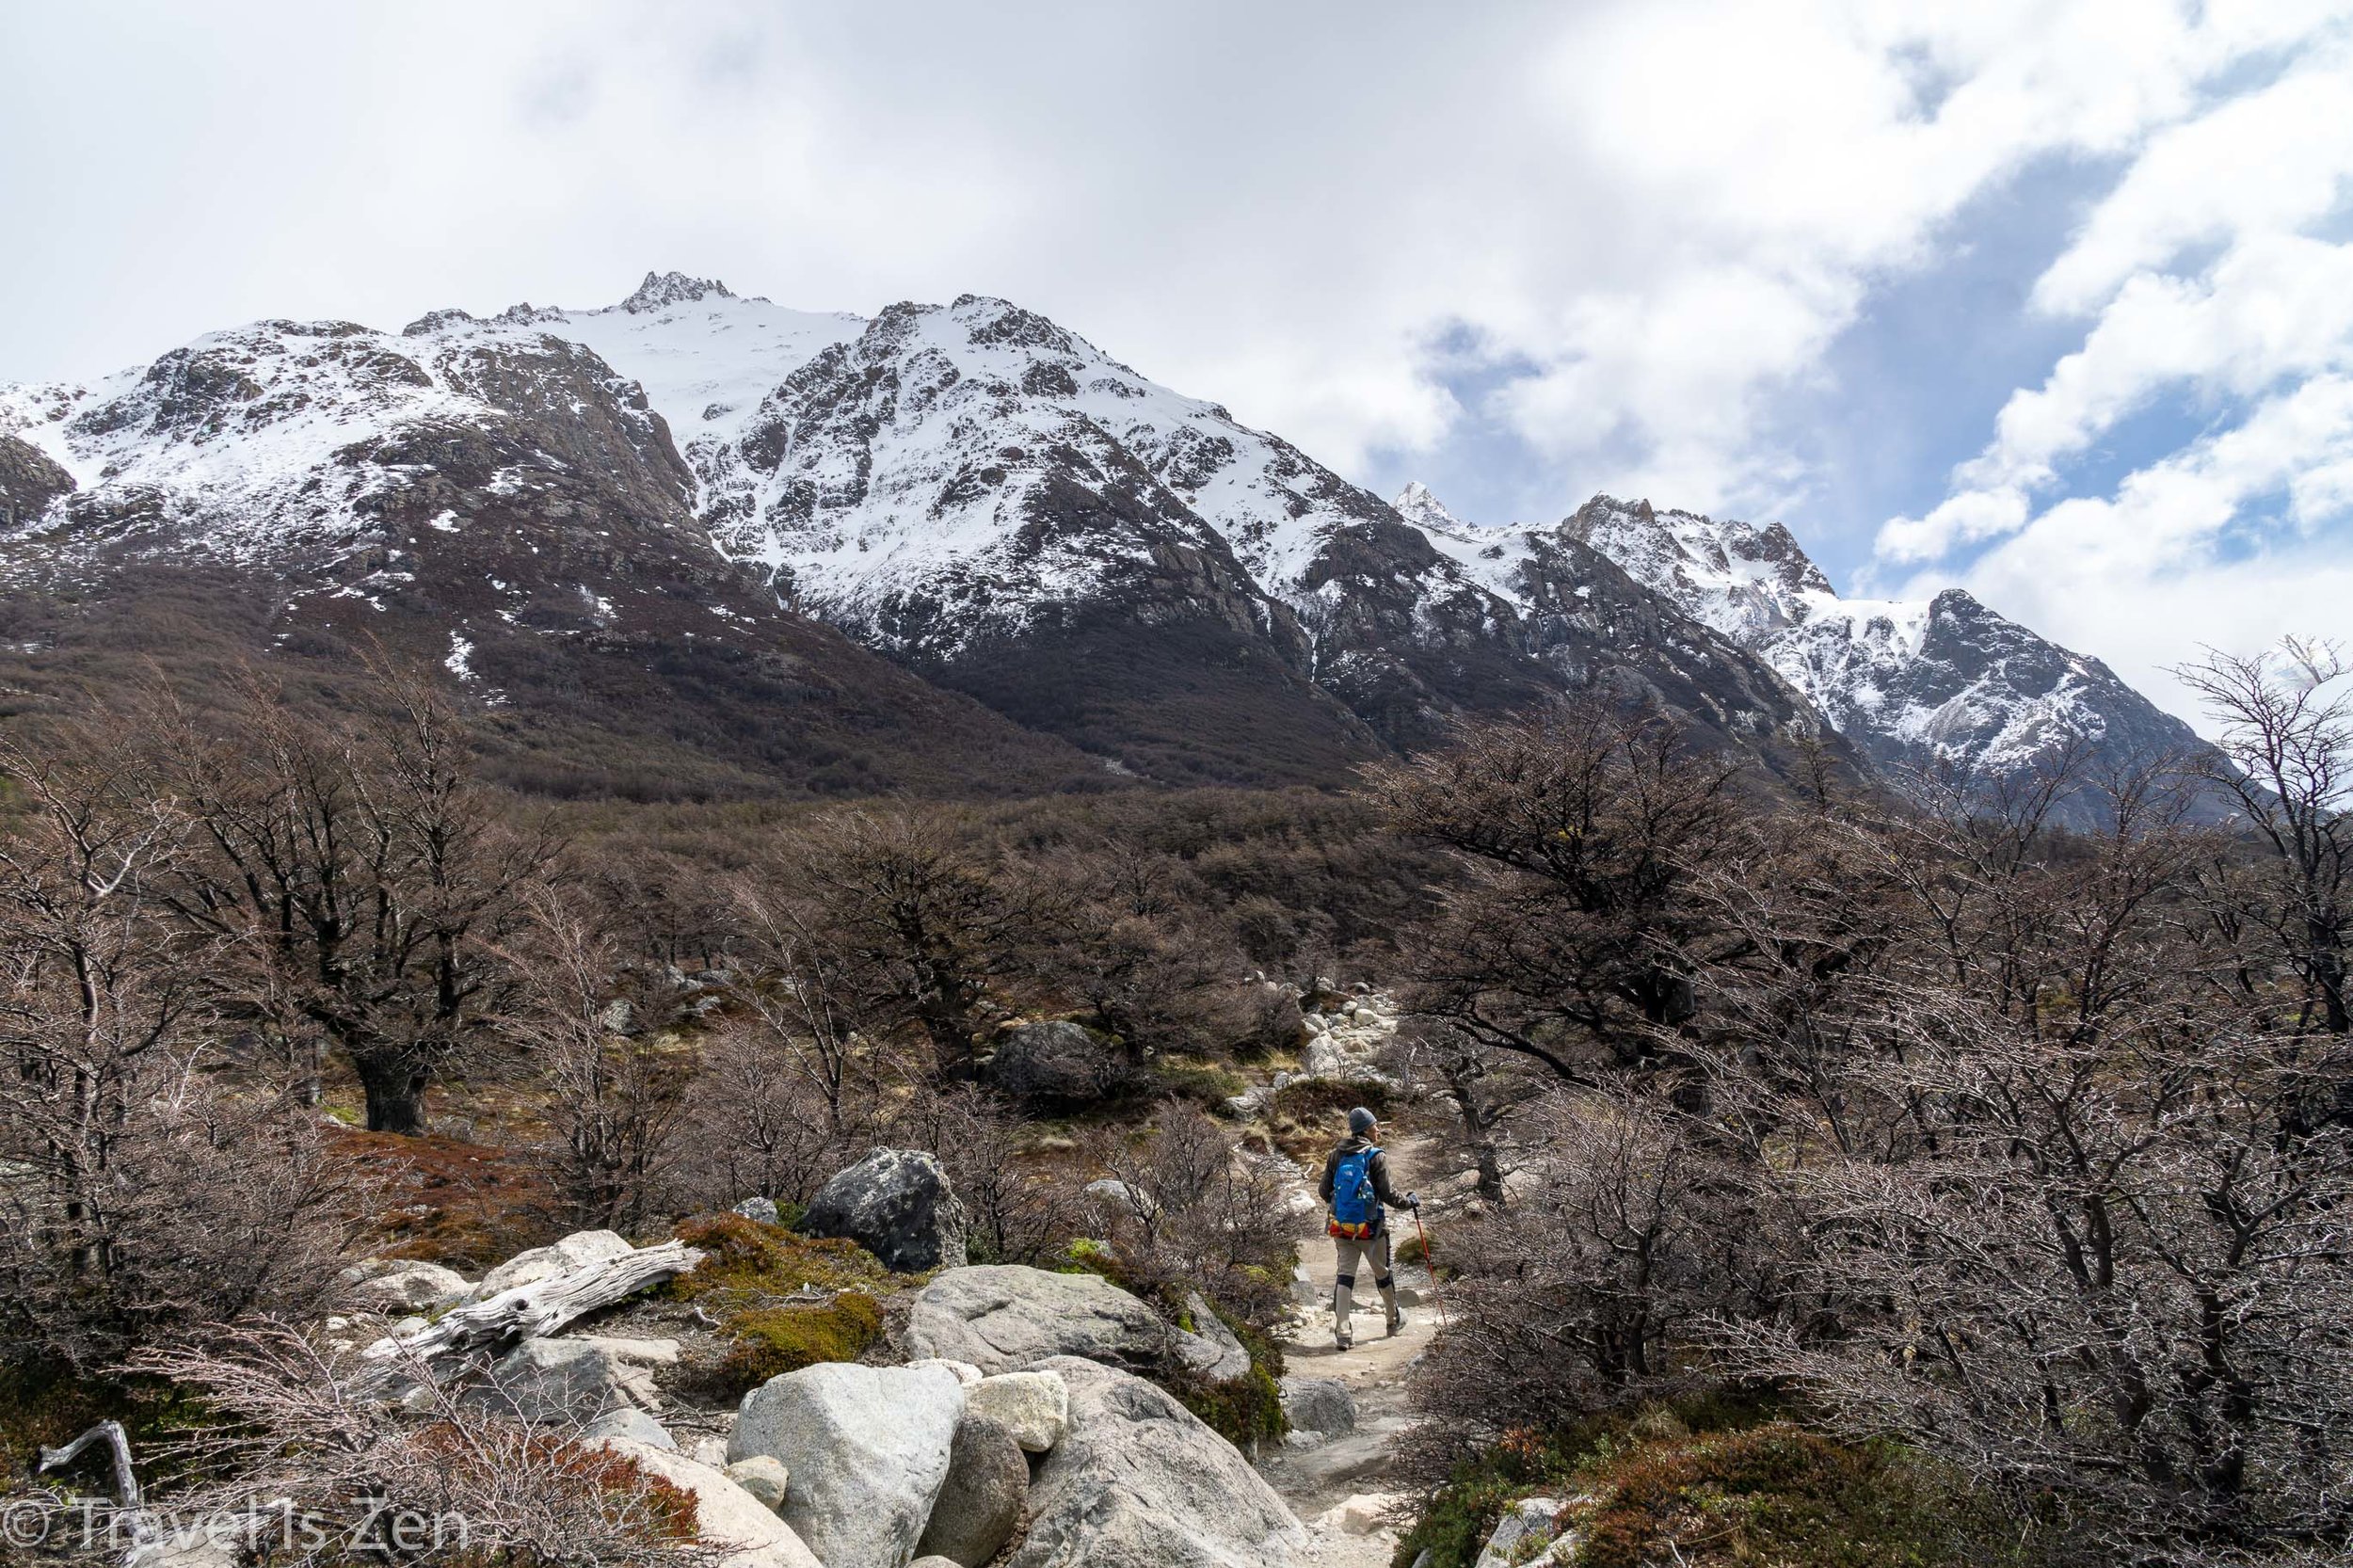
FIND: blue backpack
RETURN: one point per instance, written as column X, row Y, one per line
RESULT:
column 1355, row 1208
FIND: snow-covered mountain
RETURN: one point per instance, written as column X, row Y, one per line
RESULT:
column 1912, row 683
column 691, row 480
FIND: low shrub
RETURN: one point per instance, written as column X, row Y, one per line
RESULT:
column 1781, row 1493
column 1247, row 1410
column 1752, row 1487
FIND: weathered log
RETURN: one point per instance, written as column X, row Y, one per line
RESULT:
column 112, row 1434
column 528, row 1311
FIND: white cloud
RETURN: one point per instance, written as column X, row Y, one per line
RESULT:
column 1667, row 210
column 2215, row 278
column 2170, row 562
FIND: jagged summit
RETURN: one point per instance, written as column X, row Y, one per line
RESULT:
column 663, row 289
column 1416, row 505
column 1910, row 682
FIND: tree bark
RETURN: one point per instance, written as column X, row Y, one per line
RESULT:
column 394, row 1086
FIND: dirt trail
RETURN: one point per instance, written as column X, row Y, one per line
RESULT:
column 1318, row 1481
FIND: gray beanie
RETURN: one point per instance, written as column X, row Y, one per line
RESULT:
column 1360, row 1121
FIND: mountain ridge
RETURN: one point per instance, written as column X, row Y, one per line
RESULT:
column 1124, row 574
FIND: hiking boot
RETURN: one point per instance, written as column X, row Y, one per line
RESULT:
column 1396, row 1322
column 1344, row 1341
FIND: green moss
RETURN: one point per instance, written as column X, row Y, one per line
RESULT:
column 776, row 1340
column 757, row 1282
column 748, row 1264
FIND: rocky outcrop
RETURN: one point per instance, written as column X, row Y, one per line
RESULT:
column 868, row 1448
column 1057, row 1062
column 29, row 481
column 1139, row 1481
column 981, row 1503
column 1003, row 1317
column 898, row 1205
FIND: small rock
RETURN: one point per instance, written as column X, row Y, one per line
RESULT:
column 979, row 1504
column 1126, row 1199
column 965, row 1372
column 934, row 1563
column 1525, row 1530
column 1033, row 1406
column 764, row 1477
column 1211, row 1350
column 897, row 1204
column 710, row 1450
column 409, row 1287
column 1319, row 1404
column 631, row 1423
column 762, row 1209
column 1363, row 1514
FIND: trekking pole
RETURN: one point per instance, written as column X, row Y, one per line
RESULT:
column 1432, row 1264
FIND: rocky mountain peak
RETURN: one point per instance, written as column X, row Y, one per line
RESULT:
column 1419, row 506
column 664, row 289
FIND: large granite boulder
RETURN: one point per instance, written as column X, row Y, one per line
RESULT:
column 897, row 1204
column 979, row 1504
column 727, row 1516
column 867, row 1447
column 1057, row 1062
column 1138, row 1481
column 1001, row 1316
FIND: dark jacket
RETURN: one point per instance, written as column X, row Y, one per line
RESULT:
column 1380, row 1174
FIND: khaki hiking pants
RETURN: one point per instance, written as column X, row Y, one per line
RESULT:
column 1373, row 1248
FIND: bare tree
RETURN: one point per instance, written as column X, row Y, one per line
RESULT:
column 591, row 1026
column 1577, row 825
column 916, row 924
column 361, row 872
column 2285, row 757
column 149, row 1178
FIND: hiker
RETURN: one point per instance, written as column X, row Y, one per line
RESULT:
column 1356, row 1189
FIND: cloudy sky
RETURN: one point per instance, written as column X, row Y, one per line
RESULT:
column 2049, row 298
